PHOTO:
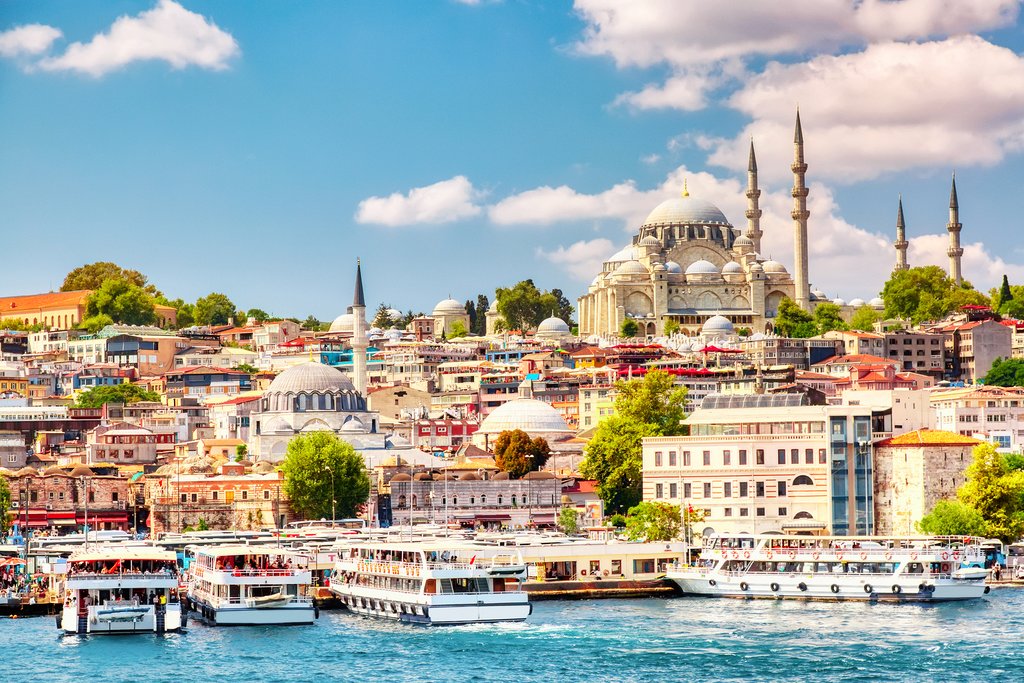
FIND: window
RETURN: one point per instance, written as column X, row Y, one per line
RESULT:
column 759, row 456
column 783, row 512
column 245, row 495
column 616, row 566
column 743, row 489
column 809, row 456
column 803, row 480
column 782, row 489
column 794, row 456
column 113, row 496
column 822, row 458
column 687, row 490
column 595, row 567
column 760, row 512
column 214, row 494
column 727, row 489
column 726, row 457
column 659, row 491
column 672, row 458
column 727, row 512
column 759, row 489
column 686, row 458
column 782, row 456
column 707, row 489
column 743, row 457
column 657, row 458
column 266, row 494
column 673, row 491
column 744, row 512
column 184, row 498
column 643, row 566
column 707, row 458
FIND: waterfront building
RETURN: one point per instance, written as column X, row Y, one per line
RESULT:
column 913, row 472
column 62, row 499
column 991, row 414
column 769, row 462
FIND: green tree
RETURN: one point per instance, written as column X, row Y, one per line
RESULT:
column 563, row 308
column 828, row 317
column 652, row 399
column 312, row 324
column 1006, row 372
column 523, row 306
column 93, row 275
column 456, row 330
column 1005, row 293
column 186, row 312
column 953, row 518
column 671, row 327
column 202, row 525
column 926, row 293
column 123, row 302
column 5, row 505
column 794, row 322
column 258, row 314
column 96, row 397
column 247, row 369
column 653, row 521
column 214, row 309
column 996, row 492
column 618, row 520
column 1014, row 461
column 568, row 521
column 241, row 450
column 383, row 319
column 472, row 313
column 628, row 329
column 864, row 319
column 95, row 323
column 309, row 462
column 483, row 304
column 516, row 453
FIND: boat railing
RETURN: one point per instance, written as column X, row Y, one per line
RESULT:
column 257, row 572
column 934, row 554
column 253, row 602
column 122, row 575
column 134, row 602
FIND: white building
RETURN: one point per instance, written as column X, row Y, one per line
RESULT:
column 994, row 414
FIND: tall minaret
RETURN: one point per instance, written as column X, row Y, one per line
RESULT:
column 753, row 194
column 955, row 251
column 901, row 239
column 359, row 342
column 800, row 214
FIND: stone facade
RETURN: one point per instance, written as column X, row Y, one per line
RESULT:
column 515, row 502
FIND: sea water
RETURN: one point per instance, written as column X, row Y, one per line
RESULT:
column 677, row 640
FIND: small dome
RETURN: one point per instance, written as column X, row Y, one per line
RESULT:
column 686, row 210
column 596, row 280
column 774, row 267
column 393, row 335
column 702, row 267
column 756, row 268
column 649, row 241
column 353, row 425
column 500, row 476
column 528, row 414
column 743, row 241
column 857, row 302
column 659, row 268
column 421, row 476
column 82, row 471
column 631, row 268
column 54, row 470
column 673, row 267
column 732, row 268
column 26, row 472
column 839, row 302
column 449, row 307
column 877, row 302
column 395, row 313
column 469, row 476
column 555, row 327
column 627, row 253
column 310, row 378
column 820, row 294
column 717, row 324
column 539, row 474
column 343, row 323
column 401, row 476
column 263, row 467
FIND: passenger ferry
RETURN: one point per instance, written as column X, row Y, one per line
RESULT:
column 907, row 569
column 430, row 583
column 127, row 589
column 243, row 585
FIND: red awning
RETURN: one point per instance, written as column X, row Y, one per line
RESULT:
column 114, row 517
column 493, row 518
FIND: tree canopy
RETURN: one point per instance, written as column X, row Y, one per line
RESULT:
column 457, row 329
column 523, row 306
column 827, row 317
column 309, row 463
column 793, row 321
column 479, row 326
column 93, row 275
column 1006, row 372
column 257, row 314
column 926, row 293
column 653, row 521
column 864, row 319
column 516, row 453
column 568, row 521
column 953, row 518
column 629, row 328
column 96, row 397
column 996, row 492
column 122, row 302
column 650, row 406
column 1008, row 300
column 5, row 504
column 382, row 318
column 214, row 309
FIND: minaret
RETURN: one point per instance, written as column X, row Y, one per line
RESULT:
column 901, row 239
column 800, row 214
column 753, row 194
column 359, row 342
column 955, row 251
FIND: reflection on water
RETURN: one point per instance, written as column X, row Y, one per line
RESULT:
column 684, row 639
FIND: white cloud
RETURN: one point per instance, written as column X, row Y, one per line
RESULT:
column 31, row 39
column 980, row 268
column 443, row 202
column 581, row 259
column 685, row 91
column 168, row 33
column 651, row 158
column 891, row 107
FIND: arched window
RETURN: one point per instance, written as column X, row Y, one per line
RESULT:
column 455, row 500
column 499, row 499
column 803, row 480
column 803, row 515
column 414, row 500
column 513, row 499
column 483, row 499
column 401, row 501
column 472, row 500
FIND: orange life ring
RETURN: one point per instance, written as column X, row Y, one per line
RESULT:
column 945, row 567
column 769, row 554
column 839, row 556
column 583, row 572
column 816, row 555
column 746, row 554
column 888, row 556
column 792, row 554
column 913, row 556
column 605, row 572
column 945, row 555
column 735, row 554
column 863, row 556
column 956, row 554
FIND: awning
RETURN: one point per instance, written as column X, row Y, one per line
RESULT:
column 63, row 522
column 104, row 517
column 493, row 518
column 804, row 525
column 70, row 514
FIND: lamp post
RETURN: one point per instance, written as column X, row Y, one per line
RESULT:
column 334, row 498
column 85, row 502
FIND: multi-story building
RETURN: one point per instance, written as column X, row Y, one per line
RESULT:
column 913, row 472
column 916, row 351
column 596, row 399
column 442, row 433
column 971, row 347
column 855, row 342
column 994, row 414
column 127, row 444
column 13, row 451
column 199, row 382
column 769, row 462
column 765, row 351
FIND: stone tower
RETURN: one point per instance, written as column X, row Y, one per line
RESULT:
column 901, row 239
column 753, row 194
column 800, row 214
column 359, row 341
column 955, row 251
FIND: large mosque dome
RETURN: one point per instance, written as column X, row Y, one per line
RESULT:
column 553, row 327
column 534, row 417
column 310, row 378
column 343, row 323
column 449, row 307
column 685, row 210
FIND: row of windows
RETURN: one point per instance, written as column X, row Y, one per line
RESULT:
column 742, row 489
column 516, row 500
column 215, row 495
column 726, row 457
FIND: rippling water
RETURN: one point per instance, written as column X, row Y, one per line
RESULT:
column 682, row 639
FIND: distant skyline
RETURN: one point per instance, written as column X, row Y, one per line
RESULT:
column 257, row 149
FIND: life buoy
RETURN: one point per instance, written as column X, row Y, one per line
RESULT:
column 888, row 556
column 868, row 588
column 583, row 572
column 792, row 554
column 775, row 588
column 839, row 556
column 816, row 555
column 746, row 554
column 956, row 554
column 913, row 556
column 802, row 586
column 605, row 572
column 896, row 589
column 863, row 556
column 945, row 567
column 945, row 556
column 769, row 554
column 835, row 588
column 735, row 554
column 744, row 586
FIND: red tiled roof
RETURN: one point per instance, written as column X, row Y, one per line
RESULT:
column 858, row 359
column 929, row 437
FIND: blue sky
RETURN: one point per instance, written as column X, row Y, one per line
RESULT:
column 258, row 148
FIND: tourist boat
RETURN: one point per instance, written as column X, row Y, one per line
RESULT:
column 905, row 569
column 430, row 583
column 121, row 589
column 243, row 585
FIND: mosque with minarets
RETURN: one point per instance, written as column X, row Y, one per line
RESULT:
column 688, row 264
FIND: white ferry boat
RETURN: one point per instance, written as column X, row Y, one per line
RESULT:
column 241, row 585
column 430, row 583
column 127, row 589
column 914, row 569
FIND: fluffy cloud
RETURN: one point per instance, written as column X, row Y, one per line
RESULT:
column 168, row 33
column 31, row 39
column 980, row 268
column 581, row 259
column 443, row 202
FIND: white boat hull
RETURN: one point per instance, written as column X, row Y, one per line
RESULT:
column 96, row 622
column 435, row 610
column 294, row 614
column 827, row 587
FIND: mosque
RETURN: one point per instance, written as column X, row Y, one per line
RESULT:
column 690, row 265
